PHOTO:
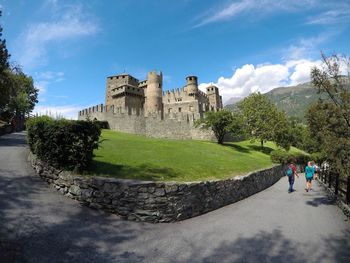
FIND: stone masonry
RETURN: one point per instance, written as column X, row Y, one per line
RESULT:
column 142, row 107
column 156, row 201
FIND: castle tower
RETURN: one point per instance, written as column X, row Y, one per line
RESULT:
column 215, row 100
column 154, row 93
column 192, row 86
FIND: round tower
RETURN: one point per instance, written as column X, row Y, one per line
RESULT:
column 192, row 85
column 154, row 92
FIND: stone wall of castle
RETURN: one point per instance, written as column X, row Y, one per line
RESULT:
column 168, row 125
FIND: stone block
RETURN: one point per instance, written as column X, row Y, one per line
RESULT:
column 159, row 192
column 75, row 190
column 86, row 193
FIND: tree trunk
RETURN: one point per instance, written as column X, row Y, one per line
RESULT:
column 262, row 144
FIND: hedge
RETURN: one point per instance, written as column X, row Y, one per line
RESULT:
column 282, row 156
column 64, row 144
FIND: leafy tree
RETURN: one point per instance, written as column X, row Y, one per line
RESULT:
column 263, row 121
column 4, row 71
column 328, row 79
column 329, row 118
column 23, row 95
column 221, row 123
column 18, row 95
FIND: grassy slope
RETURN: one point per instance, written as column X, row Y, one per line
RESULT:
column 136, row 157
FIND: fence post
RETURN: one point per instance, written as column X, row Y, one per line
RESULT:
column 348, row 190
column 336, row 184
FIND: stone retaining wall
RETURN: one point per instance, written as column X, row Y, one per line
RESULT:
column 155, row 201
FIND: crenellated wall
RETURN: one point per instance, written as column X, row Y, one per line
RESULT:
column 174, row 125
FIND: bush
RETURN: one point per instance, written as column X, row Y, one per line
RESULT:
column 279, row 156
column 318, row 157
column 64, row 144
column 102, row 124
column 282, row 156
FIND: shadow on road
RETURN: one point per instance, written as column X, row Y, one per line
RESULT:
column 322, row 200
column 275, row 247
column 16, row 139
column 39, row 225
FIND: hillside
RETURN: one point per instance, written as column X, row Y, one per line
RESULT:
column 294, row 100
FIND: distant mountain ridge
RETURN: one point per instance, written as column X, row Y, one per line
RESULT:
column 294, row 100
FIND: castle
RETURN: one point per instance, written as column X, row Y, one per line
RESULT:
column 142, row 107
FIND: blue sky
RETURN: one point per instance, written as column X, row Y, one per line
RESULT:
column 70, row 47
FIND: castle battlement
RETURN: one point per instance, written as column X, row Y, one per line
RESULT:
column 143, row 107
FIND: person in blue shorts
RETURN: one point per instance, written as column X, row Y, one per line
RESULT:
column 309, row 175
column 291, row 173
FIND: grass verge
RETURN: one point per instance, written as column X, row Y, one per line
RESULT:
column 122, row 155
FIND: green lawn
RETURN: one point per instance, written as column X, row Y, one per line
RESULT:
column 131, row 156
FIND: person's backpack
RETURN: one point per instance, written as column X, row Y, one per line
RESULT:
column 289, row 171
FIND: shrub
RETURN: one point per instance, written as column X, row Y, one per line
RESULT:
column 318, row 157
column 279, row 156
column 282, row 156
column 64, row 144
column 102, row 124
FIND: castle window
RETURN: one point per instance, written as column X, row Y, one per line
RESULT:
column 169, row 110
column 191, row 108
column 179, row 109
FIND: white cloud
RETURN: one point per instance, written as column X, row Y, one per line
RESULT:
column 68, row 23
column 256, row 7
column 301, row 70
column 326, row 12
column 66, row 111
column 263, row 78
column 338, row 14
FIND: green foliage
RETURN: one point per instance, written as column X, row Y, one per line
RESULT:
column 17, row 92
column 23, row 94
column 4, row 68
column 329, row 119
column 283, row 157
column 63, row 143
column 263, row 121
column 279, row 156
column 102, row 124
column 221, row 123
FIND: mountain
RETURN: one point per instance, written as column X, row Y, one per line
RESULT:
column 294, row 100
column 233, row 100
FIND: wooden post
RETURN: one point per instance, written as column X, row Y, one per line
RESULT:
column 348, row 190
column 336, row 184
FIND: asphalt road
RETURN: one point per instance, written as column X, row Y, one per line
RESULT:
column 37, row 224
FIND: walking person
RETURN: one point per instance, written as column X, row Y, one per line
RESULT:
column 291, row 173
column 309, row 175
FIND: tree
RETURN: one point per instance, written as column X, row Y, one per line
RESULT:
column 23, row 94
column 4, row 72
column 329, row 118
column 221, row 123
column 328, row 79
column 263, row 121
column 18, row 95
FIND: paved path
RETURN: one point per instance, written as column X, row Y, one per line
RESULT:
column 37, row 224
